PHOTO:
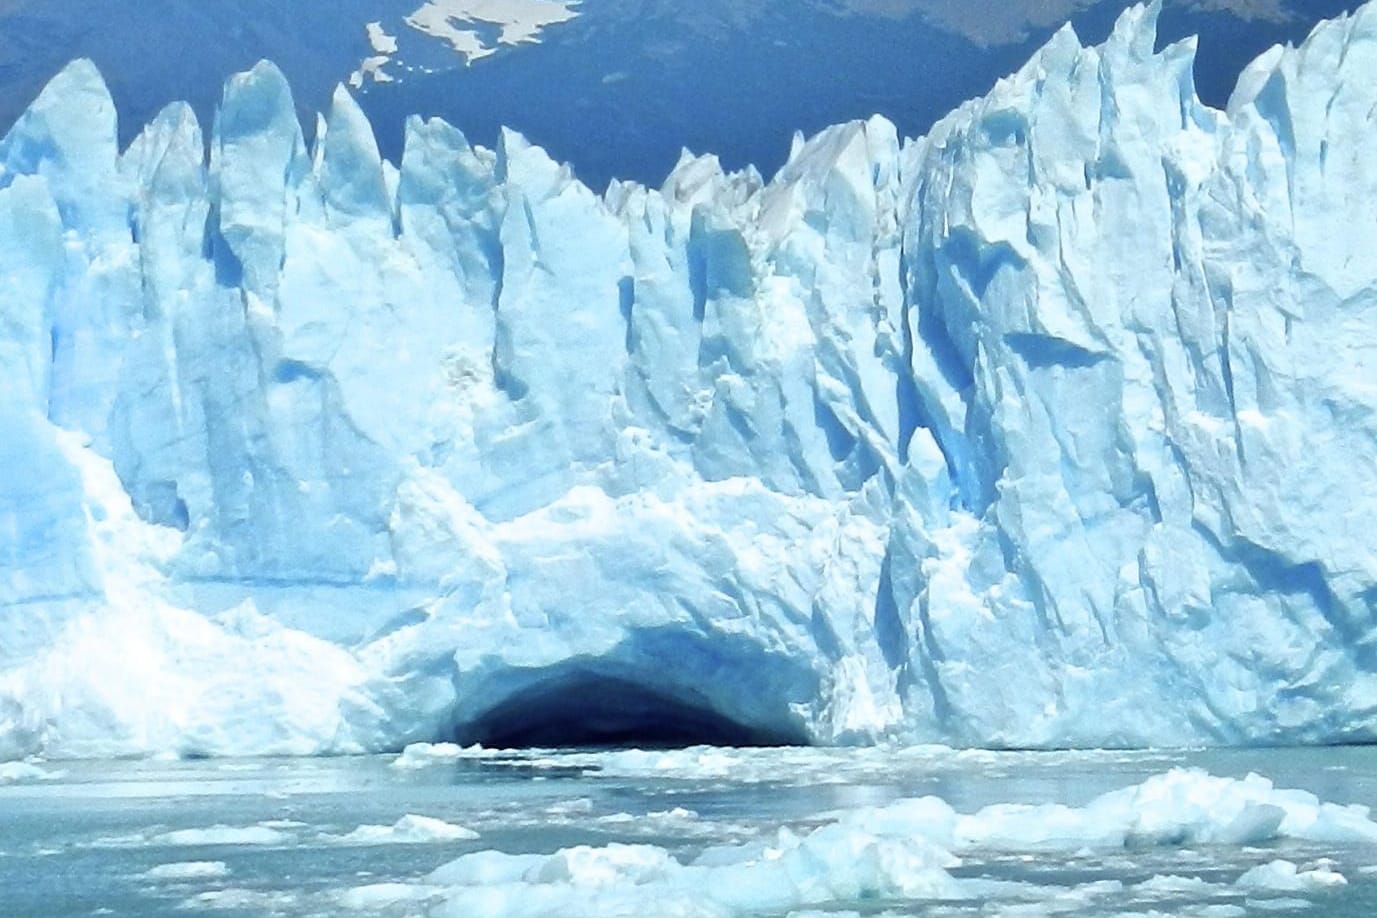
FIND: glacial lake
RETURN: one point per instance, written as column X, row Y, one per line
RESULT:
column 278, row 837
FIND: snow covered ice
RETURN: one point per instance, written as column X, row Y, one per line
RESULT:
column 1051, row 428
column 411, row 829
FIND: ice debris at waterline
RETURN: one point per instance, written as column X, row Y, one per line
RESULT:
column 1054, row 427
column 905, row 852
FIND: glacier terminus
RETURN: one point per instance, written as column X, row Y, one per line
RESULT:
column 1055, row 427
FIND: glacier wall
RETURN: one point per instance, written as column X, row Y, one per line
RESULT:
column 1054, row 427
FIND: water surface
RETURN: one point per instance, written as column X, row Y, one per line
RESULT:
column 95, row 838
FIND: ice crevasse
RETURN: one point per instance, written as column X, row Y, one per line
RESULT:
column 1055, row 427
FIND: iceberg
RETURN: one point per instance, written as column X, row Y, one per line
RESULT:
column 411, row 829
column 1052, row 428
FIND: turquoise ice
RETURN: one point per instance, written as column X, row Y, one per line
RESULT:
column 1055, row 427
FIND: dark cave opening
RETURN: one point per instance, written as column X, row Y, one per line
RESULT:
column 587, row 710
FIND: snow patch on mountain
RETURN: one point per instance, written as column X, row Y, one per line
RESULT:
column 384, row 47
column 472, row 29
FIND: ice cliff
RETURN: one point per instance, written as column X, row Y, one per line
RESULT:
column 1057, row 426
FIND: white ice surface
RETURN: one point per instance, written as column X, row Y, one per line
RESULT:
column 1284, row 876
column 17, row 772
column 220, row 835
column 424, row 755
column 410, row 829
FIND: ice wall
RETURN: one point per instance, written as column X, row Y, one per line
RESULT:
column 1054, row 427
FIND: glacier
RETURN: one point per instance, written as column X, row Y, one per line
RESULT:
column 1052, row 428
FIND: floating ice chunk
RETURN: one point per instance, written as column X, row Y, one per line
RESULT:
column 485, row 868
column 1180, row 807
column 187, row 870
column 575, row 806
column 424, row 755
column 833, row 863
column 695, row 762
column 678, row 822
column 677, row 815
column 409, row 830
column 19, row 772
column 379, row 896
column 252, row 901
column 221, row 835
column 1286, row 876
column 585, row 866
column 1219, row 910
column 1171, row 884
